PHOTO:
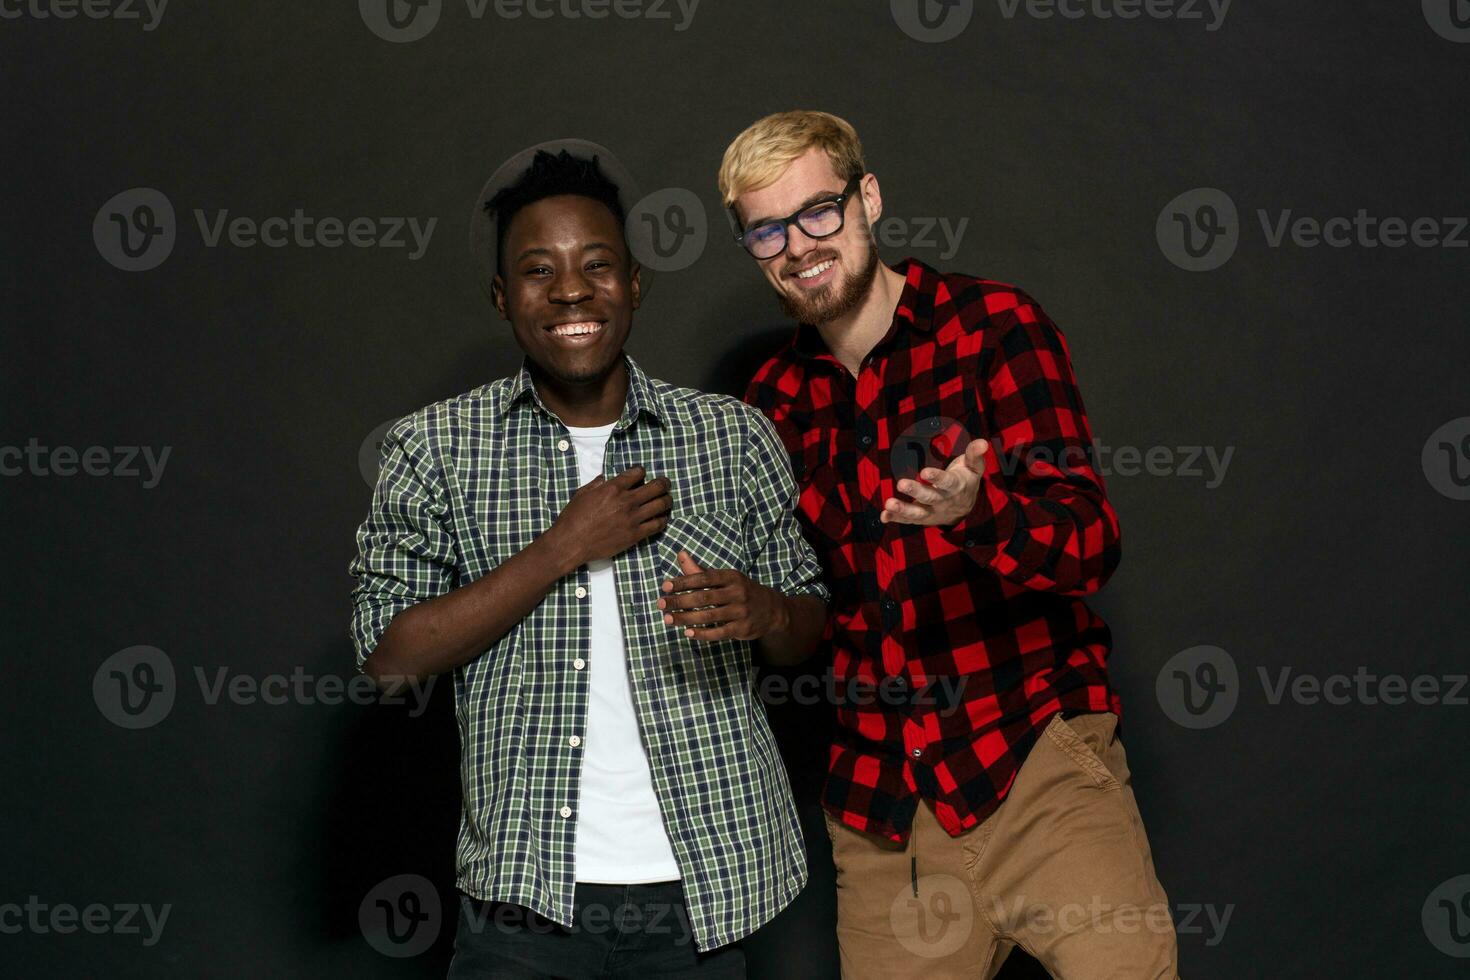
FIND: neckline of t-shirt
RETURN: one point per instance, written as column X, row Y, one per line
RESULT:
column 593, row 430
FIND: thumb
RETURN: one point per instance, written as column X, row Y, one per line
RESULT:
column 687, row 564
column 975, row 455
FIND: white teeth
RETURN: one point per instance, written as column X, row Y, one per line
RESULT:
column 576, row 329
column 815, row 270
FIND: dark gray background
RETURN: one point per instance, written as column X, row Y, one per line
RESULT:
column 1322, row 828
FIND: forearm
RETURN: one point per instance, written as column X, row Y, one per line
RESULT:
column 1065, row 540
column 800, row 623
column 440, row 634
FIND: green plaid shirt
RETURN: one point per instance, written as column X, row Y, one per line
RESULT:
column 468, row 482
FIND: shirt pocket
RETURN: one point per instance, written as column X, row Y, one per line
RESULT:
column 715, row 539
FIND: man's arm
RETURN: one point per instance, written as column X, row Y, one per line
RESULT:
column 405, row 563
column 782, row 604
column 1048, row 525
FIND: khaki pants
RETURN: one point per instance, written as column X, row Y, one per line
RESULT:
column 1061, row 868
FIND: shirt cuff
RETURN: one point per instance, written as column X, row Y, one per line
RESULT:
column 990, row 523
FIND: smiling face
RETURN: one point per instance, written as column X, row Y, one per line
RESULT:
column 817, row 280
column 568, row 287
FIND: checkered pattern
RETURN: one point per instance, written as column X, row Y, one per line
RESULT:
column 990, row 603
column 468, row 482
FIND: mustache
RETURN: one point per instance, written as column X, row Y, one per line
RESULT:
column 807, row 262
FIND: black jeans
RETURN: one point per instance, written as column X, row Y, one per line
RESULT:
column 640, row 931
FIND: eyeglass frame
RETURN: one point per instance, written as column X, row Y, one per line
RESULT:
column 839, row 199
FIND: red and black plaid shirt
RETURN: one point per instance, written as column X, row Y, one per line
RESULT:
column 953, row 646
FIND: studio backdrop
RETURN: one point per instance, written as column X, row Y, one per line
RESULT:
column 236, row 247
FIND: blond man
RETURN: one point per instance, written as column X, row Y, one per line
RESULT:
column 978, row 796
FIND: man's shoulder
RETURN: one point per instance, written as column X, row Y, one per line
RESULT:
column 446, row 418
column 977, row 303
column 696, row 407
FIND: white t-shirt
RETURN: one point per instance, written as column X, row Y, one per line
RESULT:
column 620, row 831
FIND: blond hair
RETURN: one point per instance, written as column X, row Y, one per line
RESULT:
column 759, row 156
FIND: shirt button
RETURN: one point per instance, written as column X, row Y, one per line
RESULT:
column 578, row 664
column 565, row 811
column 581, row 592
column 867, row 440
column 574, row 741
column 916, row 753
column 563, row 445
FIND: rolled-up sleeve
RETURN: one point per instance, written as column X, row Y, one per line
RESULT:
column 405, row 552
column 780, row 556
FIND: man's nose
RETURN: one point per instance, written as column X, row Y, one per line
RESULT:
column 798, row 242
column 569, row 287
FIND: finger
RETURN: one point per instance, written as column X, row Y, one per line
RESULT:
column 700, row 617
column 687, row 563
column 652, row 526
column 895, row 511
column 596, row 481
column 657, row 507
column 630, row 477
column 920, row 493
column 652, row 490
column 713, row 634
column 946, row 480
column 697, row 598
column 699, row 580
column 975, row 455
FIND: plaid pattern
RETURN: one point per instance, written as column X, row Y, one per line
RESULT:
column 468, row 482
column 987, row 607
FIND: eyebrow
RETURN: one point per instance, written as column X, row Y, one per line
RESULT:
column 589, row 247
column 813, row 199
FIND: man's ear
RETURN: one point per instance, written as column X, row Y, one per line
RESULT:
column 872, row 198
column 497, row 293
column 635, row 285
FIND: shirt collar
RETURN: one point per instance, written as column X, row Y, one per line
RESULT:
column 915, row 309
column 642, row 396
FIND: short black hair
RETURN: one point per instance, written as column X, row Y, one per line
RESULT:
column 549, row 176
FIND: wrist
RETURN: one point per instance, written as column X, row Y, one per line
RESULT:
column 781, row 620
column 561, row 550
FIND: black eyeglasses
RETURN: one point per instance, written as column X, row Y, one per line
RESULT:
column 820, row 220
